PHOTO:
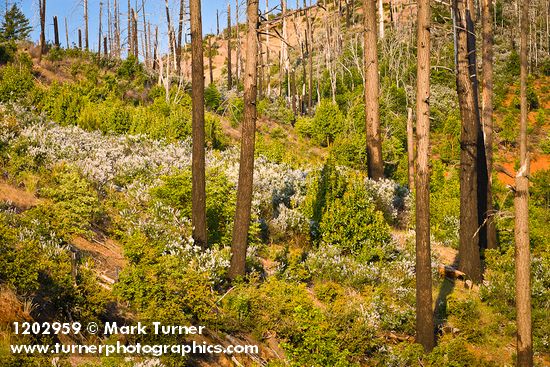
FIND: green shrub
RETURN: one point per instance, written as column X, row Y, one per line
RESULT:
column 74, row 204
column 212, row 97
column 327, row 122
column 220, row 202
column 16, row 81
column 352, row 223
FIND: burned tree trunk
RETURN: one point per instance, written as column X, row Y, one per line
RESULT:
column 410, row 148
column 521, row 203
column 229, row 76
column 374, row 143
column 42, row 5
column 470, row 262
column 86, row 39
column 100, row 37
column 487, row 114
column 55, row 32
column 198, row 212
column 246, row 166
column 424, row 313
column 180, row 35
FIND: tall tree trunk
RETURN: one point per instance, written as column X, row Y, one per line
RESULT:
column 210, row 69
column 381, row 18
column 86, row 31
column 100, row 37
column 198, row 161
column 410, row 147
column 487, row 113
column 374, row 143
column 246, row 166
column 238, row 45
column 135, row 46
column 267, row 58
column 521, row 203
column 145, row 34
column 67, row 33
column 424, row 312
column 229, row 76
column 56, row 32
column 42, row 5
column 79, row 39
column 117, row 29
column 130, row 38
column 470, row 262
column 217, row 22
column 310, row 62
column 482, row 176
column 180, row 35
column 172, row 45
column 155, row 49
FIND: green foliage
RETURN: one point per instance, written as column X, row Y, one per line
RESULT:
column 129, row 68
column 220, row 202
column 16, row 81
column 350, row 150
column 309, row 337
column 444, row 203
column 327, row 122
column 7, row 51
column 277, row 111
column 15, row 25
column 235, row 110
column 166, row 290
column 74, row 204
column 351, row 222
column 212, row 97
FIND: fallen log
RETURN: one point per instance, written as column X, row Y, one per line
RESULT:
column 450, row 272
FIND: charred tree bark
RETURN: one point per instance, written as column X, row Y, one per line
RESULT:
column 410, row 147
column 424, row 313
column 381, row 18
column 180, row 35
column 135, row 46
column 198, row 161
column 482, row 178
column 100, row 36
column 86, row 34
column 374, row 143
column 66, row 33
column 210, row 69
column 229, row 76
column 238, row 61
column 521, row 203
column 80, row 39
column 55, row 32
column 42, row 5
column 470, row 262
column 130, row 38
column 155, row 48
column 246, row 167
column 487, row 113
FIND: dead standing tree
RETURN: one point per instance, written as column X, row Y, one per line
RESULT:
column 198, row 212
column 246, row 166
column 229, row 73
column 374, row 142
column 42, row 6
column 521, row 203
column 487, row 113
column 424, row 312
column 470, row 262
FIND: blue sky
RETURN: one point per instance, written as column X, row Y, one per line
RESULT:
column 155, row 12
